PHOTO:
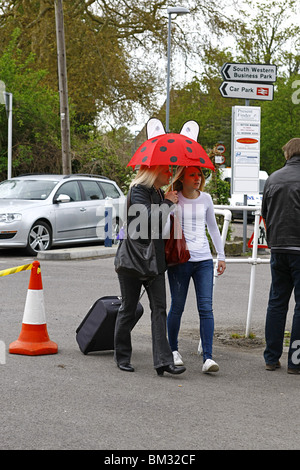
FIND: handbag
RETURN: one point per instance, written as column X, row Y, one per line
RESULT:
column 135, row 258
column 176, row 249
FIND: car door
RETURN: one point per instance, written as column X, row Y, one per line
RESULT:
column 115, row 199
column 95, row 206
column 71, row 216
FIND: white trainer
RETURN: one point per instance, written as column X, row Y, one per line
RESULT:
column 177, row 358
column 210, row 366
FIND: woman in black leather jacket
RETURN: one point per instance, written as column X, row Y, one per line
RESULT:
column 146, row 193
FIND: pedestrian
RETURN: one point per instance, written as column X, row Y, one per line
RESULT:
column 145, row 192
column 196, row 212
column 281, row 212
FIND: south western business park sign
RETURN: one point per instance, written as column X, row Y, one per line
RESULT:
column 249, row 82
column 249, row 72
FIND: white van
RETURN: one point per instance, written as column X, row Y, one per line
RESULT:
column 253, row 199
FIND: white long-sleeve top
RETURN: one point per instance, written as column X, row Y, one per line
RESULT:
column 195, row 215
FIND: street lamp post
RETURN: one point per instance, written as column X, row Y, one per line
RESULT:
column 170, row 11
column 8, row 97
column 63, row 88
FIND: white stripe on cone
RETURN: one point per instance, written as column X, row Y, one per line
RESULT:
column 34, row 311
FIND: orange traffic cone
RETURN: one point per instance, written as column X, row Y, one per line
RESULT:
column 34, row 339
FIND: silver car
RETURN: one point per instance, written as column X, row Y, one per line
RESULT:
column 41, row 211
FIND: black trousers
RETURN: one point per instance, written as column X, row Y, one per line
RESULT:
column 130, row 292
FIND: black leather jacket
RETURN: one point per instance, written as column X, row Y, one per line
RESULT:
column 154, row 210
column 281, row 205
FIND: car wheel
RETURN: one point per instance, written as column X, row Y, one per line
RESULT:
column 39, row 238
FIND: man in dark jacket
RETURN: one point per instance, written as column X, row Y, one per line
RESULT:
column 281, row 211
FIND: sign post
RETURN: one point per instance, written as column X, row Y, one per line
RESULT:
column 7, row 100
column 9, row 106
column 245, row 148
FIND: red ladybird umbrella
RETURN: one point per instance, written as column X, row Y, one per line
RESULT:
column 171, row 149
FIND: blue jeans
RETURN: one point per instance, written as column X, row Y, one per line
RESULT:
column 179, row 278
column 285, row 272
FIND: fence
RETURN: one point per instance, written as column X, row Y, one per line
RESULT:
column 253, row 260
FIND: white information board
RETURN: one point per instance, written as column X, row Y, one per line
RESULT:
column 245, row 149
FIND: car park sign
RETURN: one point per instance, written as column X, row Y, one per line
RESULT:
column 248, row 91
column 260, row 73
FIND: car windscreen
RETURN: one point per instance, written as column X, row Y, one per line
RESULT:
column 26, row 189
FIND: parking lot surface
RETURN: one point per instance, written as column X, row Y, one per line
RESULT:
column 71, row 401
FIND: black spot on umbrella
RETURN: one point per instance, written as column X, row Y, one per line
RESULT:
column 171, row 141
column 145, row 159
column 143, row 149
column 189, row 141
column 202, row 160
column 152, row 141
column 189, row 149
column 163, row 149
column 173, row 159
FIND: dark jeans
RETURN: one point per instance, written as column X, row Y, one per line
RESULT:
column 179, row 278
column 285, row 272
column 130, row 292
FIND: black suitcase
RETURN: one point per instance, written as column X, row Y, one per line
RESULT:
column 96, row 331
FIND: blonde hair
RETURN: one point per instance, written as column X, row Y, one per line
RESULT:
column 291, row 148
column 146, row 175
column 177, row 185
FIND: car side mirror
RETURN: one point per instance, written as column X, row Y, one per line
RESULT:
column 62, row 198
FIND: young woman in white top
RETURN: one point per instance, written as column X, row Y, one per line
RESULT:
column 196, row 212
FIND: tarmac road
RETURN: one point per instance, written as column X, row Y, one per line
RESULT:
column 69, row 401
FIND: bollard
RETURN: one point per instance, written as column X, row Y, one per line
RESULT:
column 108, row 226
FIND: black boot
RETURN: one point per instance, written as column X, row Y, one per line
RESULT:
column 126, row 367
column 171, row 369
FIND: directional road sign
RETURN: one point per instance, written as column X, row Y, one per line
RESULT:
column 248, row 91
column 265, row 73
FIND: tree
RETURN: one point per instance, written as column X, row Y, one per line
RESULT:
column 35, row 114
column 106, row 155
column 271, row 35
column 268, row 38
column 279, row 122
column 112, row 48
column 200, row 100
column 116, row 57
column 100, row 72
